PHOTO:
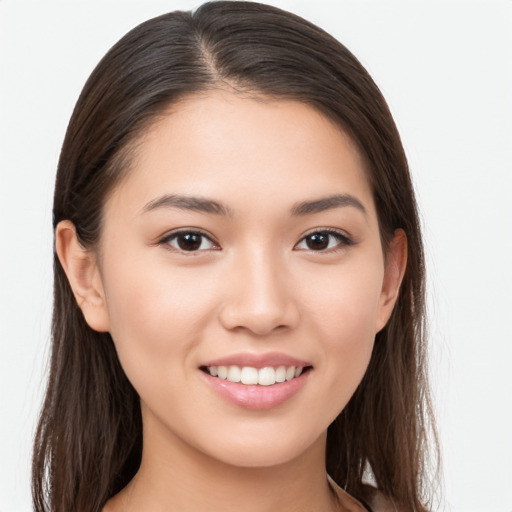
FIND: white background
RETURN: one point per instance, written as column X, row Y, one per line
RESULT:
column 446, row 70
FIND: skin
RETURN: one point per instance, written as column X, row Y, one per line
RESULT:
column 254, row 286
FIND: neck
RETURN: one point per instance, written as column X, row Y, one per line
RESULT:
column 175, row 476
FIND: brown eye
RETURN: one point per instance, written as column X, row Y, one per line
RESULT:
column 323, row 241
column 190, row 241
column 318, row 241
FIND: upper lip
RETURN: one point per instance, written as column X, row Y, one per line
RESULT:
column 258, row 360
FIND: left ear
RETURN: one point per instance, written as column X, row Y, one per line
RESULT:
column 394, row 270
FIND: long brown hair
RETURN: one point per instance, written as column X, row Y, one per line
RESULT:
column 89, row 438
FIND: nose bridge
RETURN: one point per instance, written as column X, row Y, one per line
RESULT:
column 258, row 297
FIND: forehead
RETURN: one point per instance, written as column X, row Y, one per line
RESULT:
column 244, row 151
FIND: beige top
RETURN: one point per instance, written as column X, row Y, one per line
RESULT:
column 377, row 501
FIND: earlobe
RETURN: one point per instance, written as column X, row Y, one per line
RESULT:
column 83, row 275
column 395, row 265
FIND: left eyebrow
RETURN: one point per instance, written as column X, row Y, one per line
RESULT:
column 327, row 203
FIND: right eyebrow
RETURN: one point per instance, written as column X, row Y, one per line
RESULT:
column 183, row 202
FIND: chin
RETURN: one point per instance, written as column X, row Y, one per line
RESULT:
column 266, row 451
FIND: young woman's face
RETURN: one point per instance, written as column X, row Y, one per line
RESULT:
column 244, row 241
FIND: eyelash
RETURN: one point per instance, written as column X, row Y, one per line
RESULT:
column 166, row 240
column 342, row 241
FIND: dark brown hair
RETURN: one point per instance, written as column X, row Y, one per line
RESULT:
column 89, row 438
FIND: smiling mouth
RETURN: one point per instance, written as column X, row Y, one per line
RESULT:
column 249, row 375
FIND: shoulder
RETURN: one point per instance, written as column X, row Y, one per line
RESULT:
column 379, row 502
column 374, row 500
column 350, row 504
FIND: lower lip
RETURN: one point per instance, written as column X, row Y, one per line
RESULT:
column 254, row 396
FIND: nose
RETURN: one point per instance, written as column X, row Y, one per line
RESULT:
column 259, row 296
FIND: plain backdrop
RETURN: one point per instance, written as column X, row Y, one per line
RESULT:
column 446, row 70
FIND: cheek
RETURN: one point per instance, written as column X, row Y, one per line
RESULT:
column 156, row 317
column 343, row 310
column 344, row 300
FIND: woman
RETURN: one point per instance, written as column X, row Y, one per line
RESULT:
column 239, row 281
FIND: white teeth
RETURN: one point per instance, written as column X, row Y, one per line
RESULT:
column 248, row 375
column 281, row 374
column 267, row 376
column 234, row 374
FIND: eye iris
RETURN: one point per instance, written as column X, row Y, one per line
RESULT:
column 318, row 241
column 189, row 241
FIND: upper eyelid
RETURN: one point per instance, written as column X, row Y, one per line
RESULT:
column 344, row 240
column 332, row 231
column 165, row 240
column 175, row 232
